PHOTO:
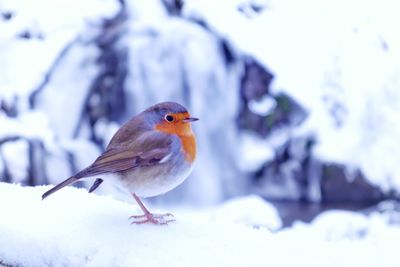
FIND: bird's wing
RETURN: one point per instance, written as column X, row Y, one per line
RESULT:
column 147, row 150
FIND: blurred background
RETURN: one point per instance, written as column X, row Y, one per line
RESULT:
column 299, row 101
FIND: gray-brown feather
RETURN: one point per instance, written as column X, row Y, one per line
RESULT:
column 148, row 149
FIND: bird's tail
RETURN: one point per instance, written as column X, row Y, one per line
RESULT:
column 69, row 181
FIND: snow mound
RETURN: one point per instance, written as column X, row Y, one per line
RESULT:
column 74, row 228
column 250, row 210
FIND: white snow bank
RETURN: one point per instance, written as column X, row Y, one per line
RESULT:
column 74, row 228
column 251, row 211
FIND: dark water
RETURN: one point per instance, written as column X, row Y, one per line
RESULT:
column 306, row 212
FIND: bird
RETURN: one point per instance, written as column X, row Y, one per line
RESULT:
column 149, row 155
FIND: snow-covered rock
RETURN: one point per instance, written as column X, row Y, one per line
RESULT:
column 250, row 210
column 339, row 60
column 341, row 225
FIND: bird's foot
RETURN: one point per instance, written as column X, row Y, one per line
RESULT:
column 159, row 219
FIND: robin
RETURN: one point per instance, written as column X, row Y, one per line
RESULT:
column 149, row 155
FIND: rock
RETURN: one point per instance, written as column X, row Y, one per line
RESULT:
column 340, row 185
column 287, row 176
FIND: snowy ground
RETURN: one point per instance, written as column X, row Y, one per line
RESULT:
column 74, row 228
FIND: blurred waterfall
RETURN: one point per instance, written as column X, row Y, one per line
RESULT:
column 173, row 59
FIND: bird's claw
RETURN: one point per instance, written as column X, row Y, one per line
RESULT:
column 158, row 219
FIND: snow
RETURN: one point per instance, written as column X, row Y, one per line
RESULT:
column 338, row 59
column 254, row 151
column 30, row 125
column 250, row 210
column 14, row 156
column 262, row 107
column 60, row 97
column 51, row 31
column 74, row 228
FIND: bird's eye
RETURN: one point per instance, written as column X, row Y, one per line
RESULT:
column 169, row 118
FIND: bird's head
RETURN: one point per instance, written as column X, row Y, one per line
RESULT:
column 171, row 118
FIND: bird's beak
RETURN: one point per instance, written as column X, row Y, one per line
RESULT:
column 190, row 119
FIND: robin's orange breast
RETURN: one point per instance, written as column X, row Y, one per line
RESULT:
column 189, row 147
column 184, row 131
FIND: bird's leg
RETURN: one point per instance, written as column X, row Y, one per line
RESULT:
column 149, row 217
